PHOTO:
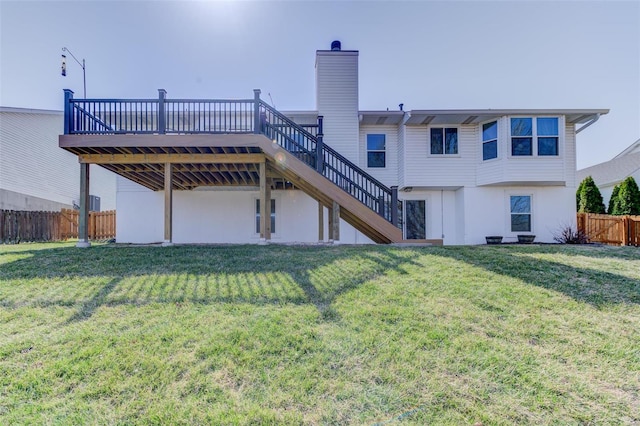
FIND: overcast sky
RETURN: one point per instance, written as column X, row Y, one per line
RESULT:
column 427, row 55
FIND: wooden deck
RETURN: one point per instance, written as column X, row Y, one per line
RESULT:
column 222, row 160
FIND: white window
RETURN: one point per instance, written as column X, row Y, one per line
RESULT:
column 376, row 150
column 273, row 216
column 444, row 141
column 520, row 212
column 489, row 141
column 539, row 135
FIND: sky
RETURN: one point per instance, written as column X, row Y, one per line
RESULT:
column 425, row 54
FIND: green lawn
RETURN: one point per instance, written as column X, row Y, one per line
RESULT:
column 319, row 335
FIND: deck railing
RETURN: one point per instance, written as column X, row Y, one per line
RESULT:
column 216, row 116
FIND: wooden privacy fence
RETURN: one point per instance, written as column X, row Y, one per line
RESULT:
column 102, row 225
column 607, row 229
column 27, row 226
column 31, row 226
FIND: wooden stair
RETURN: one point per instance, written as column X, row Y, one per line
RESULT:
column 322, row 189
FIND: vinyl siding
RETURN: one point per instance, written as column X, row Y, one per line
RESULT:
column 389, row 174
column 570, row 163
column 421, row 169
column 337, row 100
column 401, row 154
column 31, row 163
column 528, row 169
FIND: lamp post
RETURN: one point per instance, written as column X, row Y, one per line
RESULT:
column 64, row 68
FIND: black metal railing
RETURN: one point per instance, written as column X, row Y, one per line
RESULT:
column 216, row 116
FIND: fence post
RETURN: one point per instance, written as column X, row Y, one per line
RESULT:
column 320, row 146
column 68, row 111
column 162, row 125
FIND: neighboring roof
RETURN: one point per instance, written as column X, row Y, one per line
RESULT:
column 634, row 147
column 29, row 110
column 475, row 116
column 613, row 171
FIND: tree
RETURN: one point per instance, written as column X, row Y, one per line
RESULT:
column 613, row 201
column 628, row 200
column 590, row 200
column 578, row 191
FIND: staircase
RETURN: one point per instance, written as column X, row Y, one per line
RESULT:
column 365, row 203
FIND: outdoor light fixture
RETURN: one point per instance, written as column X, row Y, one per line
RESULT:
column 64, row 68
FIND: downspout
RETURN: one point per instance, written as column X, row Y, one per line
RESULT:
column 589, row 123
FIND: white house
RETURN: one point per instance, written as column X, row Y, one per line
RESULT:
column 611, row 173
column 220, row 172
column 34, row 173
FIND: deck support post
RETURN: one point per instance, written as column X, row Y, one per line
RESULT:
column 83, row 225
column 394, row 205
column 320, row 222
column 265, row 205
column 168, row 206
column 334, row 223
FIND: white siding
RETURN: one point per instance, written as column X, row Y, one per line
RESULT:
column 529, row 169
column 337, row 100
column 492, row 171
column 389, row 174
column 31, row 163
column 218, row 216
column 487, row 212
column 401, row 154
column 424, row 169
column 570, row 164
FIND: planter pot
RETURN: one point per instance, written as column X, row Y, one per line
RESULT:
column 494, row 239
column 526, row 239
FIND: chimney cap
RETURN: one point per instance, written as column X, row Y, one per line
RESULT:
column 336, row 45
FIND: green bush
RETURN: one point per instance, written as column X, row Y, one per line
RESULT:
column 613, row 201
column 628, row 198
column 589, row 198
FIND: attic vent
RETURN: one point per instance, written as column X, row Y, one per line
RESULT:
column 336, row 45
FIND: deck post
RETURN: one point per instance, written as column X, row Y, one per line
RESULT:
column 168, row 206
column 68, row 111
column 320, row 222
column 256, row 111
column 334, row 223
column 162, row 124
column 394, row 205
column 83, row 225
column 320, row 146
column 265, row 205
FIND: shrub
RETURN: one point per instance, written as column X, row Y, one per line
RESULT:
column 628, row 198
column 569, row 235
column 613, row 201
column 590, row 199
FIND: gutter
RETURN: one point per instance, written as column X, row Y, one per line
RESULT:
column 589, row 123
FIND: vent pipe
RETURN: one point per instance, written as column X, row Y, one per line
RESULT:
column 401, row 106
column 336, row 45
